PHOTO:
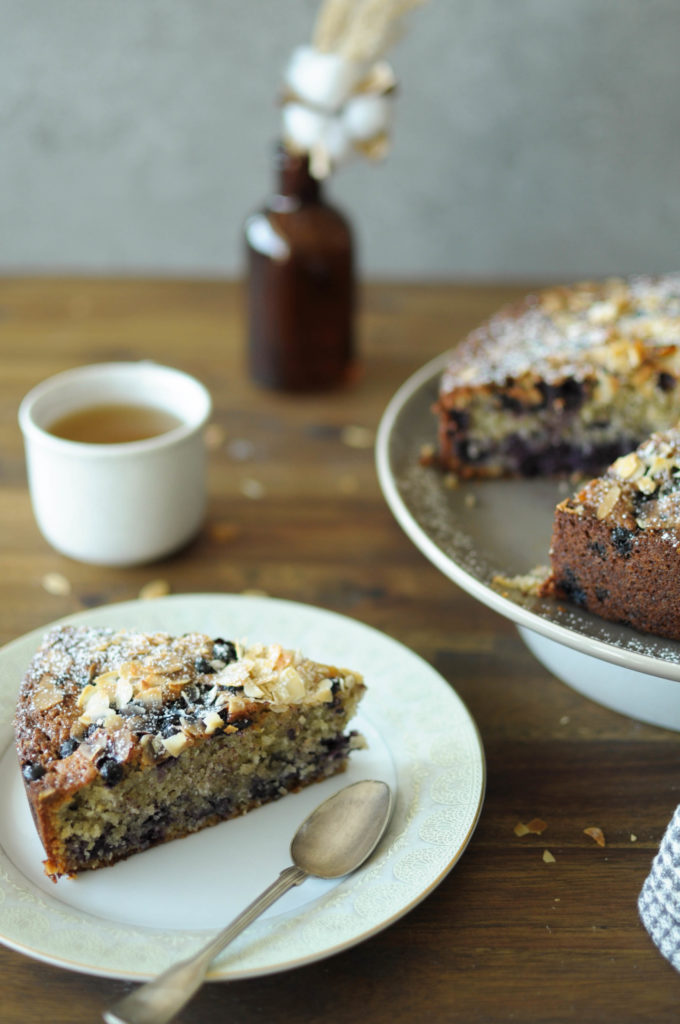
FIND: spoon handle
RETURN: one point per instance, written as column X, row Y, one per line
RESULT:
column 157, row 1001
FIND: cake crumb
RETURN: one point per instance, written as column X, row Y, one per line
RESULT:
column 633, row 837
column 427, row 455
column 548, row 857
column 529, row 583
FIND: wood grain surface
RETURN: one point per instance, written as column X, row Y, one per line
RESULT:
column 295, row 511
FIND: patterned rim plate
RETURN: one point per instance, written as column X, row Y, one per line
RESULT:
column 134, row 919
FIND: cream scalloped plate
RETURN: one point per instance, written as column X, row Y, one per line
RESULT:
column 134, row 919
column 482, row 530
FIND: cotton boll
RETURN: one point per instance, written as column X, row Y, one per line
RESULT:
column 365, row 116
column 336, row 141
column 303, row 127
column 323, row 79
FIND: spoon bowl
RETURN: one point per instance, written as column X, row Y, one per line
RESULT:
column 343, row 831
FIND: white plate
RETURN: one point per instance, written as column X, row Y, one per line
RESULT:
column 133, row 919
column 478, row 530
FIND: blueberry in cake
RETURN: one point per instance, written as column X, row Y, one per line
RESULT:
column 129, row 739
column 567, row 379
column 616, row 543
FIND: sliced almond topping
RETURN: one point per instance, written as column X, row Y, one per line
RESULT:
column 175, row 744
column 602, row 313
column 626, row 466
column 212, row 722
column 124, row 693
column 46, row 695
column 151, row 695
column 661, row 464
column 608, row 501
column 647, row 485
column 290, row 686
column 92, row 747
column 85, row 695
column 96, row 707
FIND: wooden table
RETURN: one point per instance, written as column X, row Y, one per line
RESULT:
column 295, row 511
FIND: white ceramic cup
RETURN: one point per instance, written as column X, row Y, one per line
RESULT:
column 117, row 504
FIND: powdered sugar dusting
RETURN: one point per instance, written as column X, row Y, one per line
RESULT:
column 570, row 332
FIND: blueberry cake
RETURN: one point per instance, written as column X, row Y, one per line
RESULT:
column 129, row 739
column 616, row 544
column 566, row 380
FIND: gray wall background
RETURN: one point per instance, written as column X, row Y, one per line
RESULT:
column 533, row 138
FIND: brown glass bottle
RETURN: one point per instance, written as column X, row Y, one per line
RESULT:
column 300, row 285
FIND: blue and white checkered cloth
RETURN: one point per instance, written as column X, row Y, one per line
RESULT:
column 659, row 900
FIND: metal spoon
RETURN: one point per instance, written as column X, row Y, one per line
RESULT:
column 333, row 841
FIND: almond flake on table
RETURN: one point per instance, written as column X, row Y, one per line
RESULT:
column 357, row 437
column 214, row 436
column 57, row 584
column 595, row 833
column 153, row 589
column 251, row 488
column 241, row 449
column 348, row 484
column 548, row 857
column 222, row 532
column 535, row 827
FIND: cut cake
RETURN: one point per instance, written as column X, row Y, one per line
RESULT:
column 616, row 544
column 128, row 739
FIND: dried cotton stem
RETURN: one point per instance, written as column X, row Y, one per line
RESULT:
column 374, row 28
column 331, row 25
column 367, row 35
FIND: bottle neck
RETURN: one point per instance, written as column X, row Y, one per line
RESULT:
column 294, row 179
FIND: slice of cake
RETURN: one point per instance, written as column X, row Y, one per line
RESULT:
column 565, row 380
column 127, row 739
column 616, row 544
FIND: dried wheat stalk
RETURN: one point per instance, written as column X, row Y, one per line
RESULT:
column 360, row 30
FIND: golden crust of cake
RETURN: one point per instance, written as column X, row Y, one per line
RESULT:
column 615, row 547
column 100, row 709
column 565, row 379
